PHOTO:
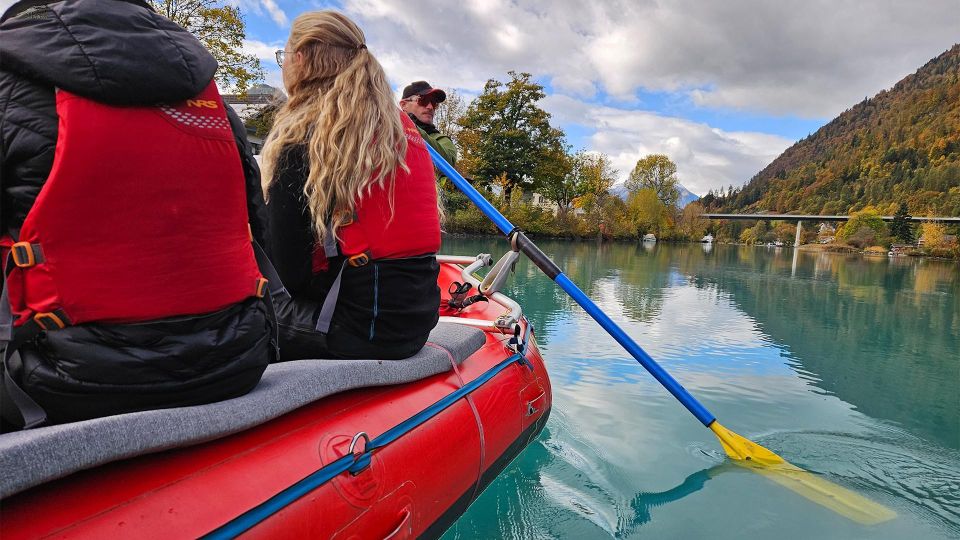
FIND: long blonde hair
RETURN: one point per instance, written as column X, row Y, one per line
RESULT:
column 341, row 106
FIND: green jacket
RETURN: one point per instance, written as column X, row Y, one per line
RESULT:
column 441, row 143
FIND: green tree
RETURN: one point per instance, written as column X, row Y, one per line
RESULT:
column 505, row 132
column 900, row 228
column 556, row 180
column 220, row 27
column 866, row 218
column 658, row 173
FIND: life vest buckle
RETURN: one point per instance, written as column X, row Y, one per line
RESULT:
column 360, row 259
column 43, row 318
column 23, row 254
column 261, row 286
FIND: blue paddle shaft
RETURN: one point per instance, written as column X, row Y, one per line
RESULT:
column 569, row 287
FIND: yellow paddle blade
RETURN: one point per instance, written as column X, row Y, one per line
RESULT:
column 847, row 503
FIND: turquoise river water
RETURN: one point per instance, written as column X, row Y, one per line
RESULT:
column 844, row 365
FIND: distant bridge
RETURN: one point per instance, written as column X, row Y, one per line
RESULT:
column 800, row 218
column 811, row 217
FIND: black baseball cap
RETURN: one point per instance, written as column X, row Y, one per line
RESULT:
column 423, row 88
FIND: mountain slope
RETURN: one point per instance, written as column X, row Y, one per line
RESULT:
column 901, row 145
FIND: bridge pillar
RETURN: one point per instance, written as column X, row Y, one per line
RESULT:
column 796, row 241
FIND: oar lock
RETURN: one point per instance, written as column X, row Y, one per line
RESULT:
column 497, row 276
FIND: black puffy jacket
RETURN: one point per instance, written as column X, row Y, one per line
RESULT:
column 117, row 52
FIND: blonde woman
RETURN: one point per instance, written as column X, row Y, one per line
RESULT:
column 350, row 191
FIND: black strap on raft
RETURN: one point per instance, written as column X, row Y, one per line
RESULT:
column 459, row 295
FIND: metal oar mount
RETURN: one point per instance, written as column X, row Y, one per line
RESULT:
column 743, row 451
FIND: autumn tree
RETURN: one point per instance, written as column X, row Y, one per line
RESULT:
column 220, row 27
column 647, row 211
column 447, row 115
column 934, row 234
column 555, row 177
column 505, row 132
column 658, row 173
column 594, row 175
column 691, row 222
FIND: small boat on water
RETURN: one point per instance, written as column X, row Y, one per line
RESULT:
column 708, row 239
column 319, row 449
column 650, row 237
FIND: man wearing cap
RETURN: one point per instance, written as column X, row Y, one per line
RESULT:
column 420, row 102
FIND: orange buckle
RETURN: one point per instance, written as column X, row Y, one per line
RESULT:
column 39, row 318
column 261, row 286
column 21, row 251
column 358, row 260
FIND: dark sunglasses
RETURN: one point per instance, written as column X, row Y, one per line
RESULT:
column 423, row 101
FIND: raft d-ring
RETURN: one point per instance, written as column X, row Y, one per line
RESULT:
column 353, row 443
column 361, row 461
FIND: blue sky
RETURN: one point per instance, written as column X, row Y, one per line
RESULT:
column 720, row 87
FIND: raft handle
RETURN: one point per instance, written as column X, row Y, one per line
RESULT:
column 356, row 438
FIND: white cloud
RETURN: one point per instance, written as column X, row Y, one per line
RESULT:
column 806, row 58
column 259, row 6
column 266, row 52
column 276, row 13
column 707, row 158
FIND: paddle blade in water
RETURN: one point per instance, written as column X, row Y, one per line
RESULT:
column 839, row 499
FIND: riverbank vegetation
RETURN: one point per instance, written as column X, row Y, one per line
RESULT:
column 511, row 153
column 523, row 164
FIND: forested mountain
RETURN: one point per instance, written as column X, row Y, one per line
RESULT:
column 901, row 145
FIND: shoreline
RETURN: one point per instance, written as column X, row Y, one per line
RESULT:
column 811, row 248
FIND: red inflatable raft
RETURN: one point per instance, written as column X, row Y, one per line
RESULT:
column 320, row 449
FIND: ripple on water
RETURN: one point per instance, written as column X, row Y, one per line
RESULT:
column 904, row 473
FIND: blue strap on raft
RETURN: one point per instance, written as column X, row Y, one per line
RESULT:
column 355, row 462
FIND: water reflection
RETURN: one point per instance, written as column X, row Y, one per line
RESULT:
column 882, row 334
column 847, row 366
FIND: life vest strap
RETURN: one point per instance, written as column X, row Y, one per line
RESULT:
column 358, row 260
column 261, row 287
column 16, row 406
column 51, row 320
column 25, row 254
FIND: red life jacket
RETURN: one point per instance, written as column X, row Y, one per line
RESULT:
column 142, row 217
column 414, row 226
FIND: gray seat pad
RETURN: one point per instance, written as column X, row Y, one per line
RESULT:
column 32, row 457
